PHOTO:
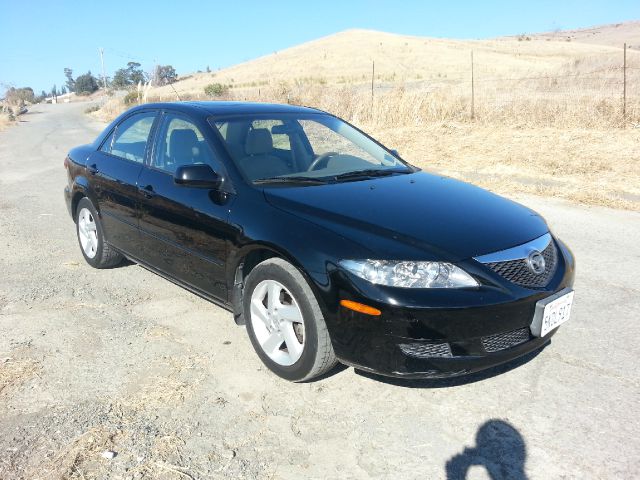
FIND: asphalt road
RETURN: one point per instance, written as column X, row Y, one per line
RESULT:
column 123, row 360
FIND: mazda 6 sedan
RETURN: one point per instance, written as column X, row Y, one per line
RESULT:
column 324, row 243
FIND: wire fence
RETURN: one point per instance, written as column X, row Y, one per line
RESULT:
column 605, row 94
column 599, row 89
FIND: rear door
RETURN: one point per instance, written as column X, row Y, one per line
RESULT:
column 184, row 229
column 113, row 171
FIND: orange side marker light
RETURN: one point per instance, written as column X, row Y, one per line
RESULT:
column 359, row 307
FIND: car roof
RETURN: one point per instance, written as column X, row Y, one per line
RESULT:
column 229, row 108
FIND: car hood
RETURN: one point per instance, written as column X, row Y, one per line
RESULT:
column 414, row 216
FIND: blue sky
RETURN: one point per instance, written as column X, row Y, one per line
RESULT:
column 39, row 38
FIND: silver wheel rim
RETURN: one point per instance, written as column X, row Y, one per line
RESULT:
column 277, row 322
column 87, row 233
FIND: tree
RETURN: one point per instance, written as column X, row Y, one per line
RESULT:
column 18, row 96
column 136, row 75
column 86, row 84
column 216, row 90
column 71, row 83
column 43, row 94
column 120, row 79
column 126, row 77
column 54, row 92
column 164, row 75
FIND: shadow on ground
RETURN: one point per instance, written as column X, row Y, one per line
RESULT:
column 499, row 448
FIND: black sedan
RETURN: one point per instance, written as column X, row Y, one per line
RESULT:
column 327, row 245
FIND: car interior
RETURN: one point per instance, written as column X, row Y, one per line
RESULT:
column 274, row 148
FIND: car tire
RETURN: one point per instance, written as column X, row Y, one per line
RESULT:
column 293, row 343
column 96, row 251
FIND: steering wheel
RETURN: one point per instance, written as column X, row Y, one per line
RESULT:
column 322, row 158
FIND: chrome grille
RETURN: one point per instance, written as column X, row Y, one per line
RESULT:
column 502, row 341
column 426, row 349
column 518, row 272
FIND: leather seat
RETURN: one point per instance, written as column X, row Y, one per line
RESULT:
column 259, row 161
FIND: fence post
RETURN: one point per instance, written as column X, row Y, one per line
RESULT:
column 472, row 90
column 624, row 83
column 373, row 76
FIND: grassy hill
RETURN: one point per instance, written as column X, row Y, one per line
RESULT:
column 346, row 59
column 614, row 35
column 547, row 109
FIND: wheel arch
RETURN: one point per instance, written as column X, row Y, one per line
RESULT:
column 246, row 259
column 81, row 190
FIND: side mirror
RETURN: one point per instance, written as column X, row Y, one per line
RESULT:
column 395, row 152
column 200, row 175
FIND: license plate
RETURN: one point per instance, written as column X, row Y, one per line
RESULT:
column 552, row 312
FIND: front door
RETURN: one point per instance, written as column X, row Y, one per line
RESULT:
column 184, row 229
column 114, row 170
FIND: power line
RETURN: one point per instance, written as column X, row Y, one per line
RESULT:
column 128, row 56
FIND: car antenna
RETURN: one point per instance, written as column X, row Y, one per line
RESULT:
column 174, row 91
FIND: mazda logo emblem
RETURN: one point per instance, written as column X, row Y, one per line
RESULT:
column 536, row 263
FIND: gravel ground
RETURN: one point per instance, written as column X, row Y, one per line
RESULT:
column 123, row 361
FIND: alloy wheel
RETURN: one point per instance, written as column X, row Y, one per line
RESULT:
column 87, row 233
column 277, row 322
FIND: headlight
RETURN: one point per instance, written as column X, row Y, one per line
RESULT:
column 410, row 274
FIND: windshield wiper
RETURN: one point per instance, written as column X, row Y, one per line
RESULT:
column 368, row 173
column 299, row 180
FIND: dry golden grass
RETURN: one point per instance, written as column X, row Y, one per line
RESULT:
column 346, row 58
column 14, row 372
column 5, row 121
column 613, row 34
column 590, row 166
column 547, row 114
column 80, row 456
column 419, row 80
column 181, row 376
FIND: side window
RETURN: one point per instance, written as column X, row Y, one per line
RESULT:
column 223, row 128
column 131, row 136
column 280, row 140
column 106, row 145
column 180, row 142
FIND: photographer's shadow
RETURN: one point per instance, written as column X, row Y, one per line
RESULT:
column 500, row 449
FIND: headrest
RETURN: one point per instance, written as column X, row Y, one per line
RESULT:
column 259, row 142
column 183, row 144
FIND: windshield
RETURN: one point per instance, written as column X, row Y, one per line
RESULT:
column 296, row 147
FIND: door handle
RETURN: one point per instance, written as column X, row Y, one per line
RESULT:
column 147, row 191
column 92, row 169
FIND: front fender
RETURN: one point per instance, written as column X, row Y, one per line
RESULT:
column 313, row 249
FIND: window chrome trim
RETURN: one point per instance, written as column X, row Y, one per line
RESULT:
column 518, row 252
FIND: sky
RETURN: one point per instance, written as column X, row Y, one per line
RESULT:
column 38, row 39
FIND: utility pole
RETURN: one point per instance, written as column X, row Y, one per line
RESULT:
column 472, row 89
column 104, row 77
column 624, row 83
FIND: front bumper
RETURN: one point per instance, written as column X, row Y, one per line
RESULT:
column 67, row 199
column 441, row 333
